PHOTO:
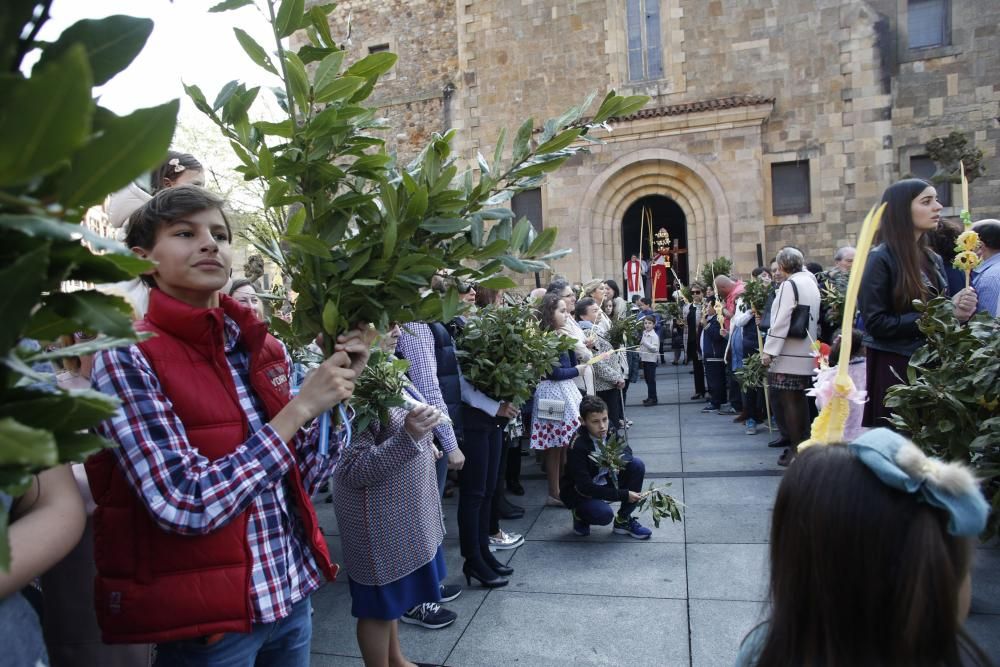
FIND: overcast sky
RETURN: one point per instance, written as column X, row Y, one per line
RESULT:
column 188, row 44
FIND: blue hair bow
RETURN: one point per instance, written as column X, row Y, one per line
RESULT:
column 950, row 486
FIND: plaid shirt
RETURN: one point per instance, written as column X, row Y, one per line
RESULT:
column 189, row 494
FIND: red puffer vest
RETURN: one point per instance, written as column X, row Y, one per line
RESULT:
column 157, row 586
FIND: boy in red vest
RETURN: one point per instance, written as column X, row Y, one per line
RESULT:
column 206, row 540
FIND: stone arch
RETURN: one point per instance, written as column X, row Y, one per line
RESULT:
column 650, row 171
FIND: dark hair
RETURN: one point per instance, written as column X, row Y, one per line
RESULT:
column 649, row 318
column 989, row 233
column 169, row 205
column 547, row 310
column 582, row 305
column 645, row 300
column 861, row 573
column 485, row 296
column 592, row 405
column 616, row 291
column 759, row 270
column 896, row 232
column 240, row 283
column 814, row 267
column 186, row 161
column 557, row 285
column 857, row 347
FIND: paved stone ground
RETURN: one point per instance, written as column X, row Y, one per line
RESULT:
column 684, row 598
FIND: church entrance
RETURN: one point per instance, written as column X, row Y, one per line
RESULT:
column 665, row 214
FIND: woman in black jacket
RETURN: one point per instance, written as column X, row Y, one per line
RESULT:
column 901, row 269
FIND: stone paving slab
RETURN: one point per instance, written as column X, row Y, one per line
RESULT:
column 624, row 567
column 727, row 571
column 556, row 524
column 536, row 630
column 718, row 627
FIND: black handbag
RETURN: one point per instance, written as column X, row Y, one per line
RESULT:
column 798, row 326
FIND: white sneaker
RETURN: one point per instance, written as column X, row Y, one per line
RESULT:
column 506, row 541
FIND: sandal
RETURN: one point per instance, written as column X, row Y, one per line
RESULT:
column 554, row 502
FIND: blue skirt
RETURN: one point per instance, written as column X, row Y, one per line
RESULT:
column 391, row 601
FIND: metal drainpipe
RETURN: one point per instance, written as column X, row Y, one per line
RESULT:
column 446, row 94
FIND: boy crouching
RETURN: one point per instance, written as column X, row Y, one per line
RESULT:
column 587, row 489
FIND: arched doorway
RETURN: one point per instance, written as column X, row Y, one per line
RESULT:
column 666, row 214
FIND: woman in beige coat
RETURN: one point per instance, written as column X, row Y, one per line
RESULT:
column 789, row 360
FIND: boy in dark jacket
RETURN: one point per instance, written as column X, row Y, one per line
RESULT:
column 587, row 489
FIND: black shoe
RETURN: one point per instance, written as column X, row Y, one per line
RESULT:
column 450, row 591
column 515, row 488
column 780, row 442
column 697, row 397
column 786, row 457
column 509, row 510
column 497, row 566
column 429, row 615
column 488, row 579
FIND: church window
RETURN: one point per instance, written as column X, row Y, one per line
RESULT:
column 645, row 47
column 921, row 166
column 790, row 188
column 528, row 204
column 927, row 23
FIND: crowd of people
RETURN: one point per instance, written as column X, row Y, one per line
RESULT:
column 203, row 539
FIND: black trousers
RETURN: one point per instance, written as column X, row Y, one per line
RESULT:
column 649, row 373
column 477, row 481
column 699, row 368
column 497, row 499
column 616, row 411
column 715, row 372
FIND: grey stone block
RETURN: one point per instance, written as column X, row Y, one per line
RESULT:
column 532, row 629
column 986, row 582
column 718, row 627
column 985, row 631
column 719, row 524
column 727, row 571
column 732, row 490
column 557, row 524
column 328, row 660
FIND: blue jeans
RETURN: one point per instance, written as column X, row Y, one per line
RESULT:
column 599, row 513
column 284, row 643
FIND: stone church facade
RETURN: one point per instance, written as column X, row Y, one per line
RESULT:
column 771, row 122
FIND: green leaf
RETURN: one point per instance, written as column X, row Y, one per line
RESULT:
column 373, row 65
column 65, row 411
column 21, row 445
column 309, row 245
column 283, row 129
column 444, row 225
column 66, row 312
column 367, row 282
column 498, row 282
column 449, row 305
column 111, row 44
column 85, row 348
column 331, row 317
column 78, row 263
column 224, row 94
column 22, row 284
column 520, row 234
column 522, row 139
column 318, row 18
column 542, row 242
column 47, row 228
column 126, row 147
column 45, row 118
column 339, row 88
column 559, row 142
column 75, row 447
column 298, row 80
column 289, row 17
column 226, row 5
column 327, row 70
column 255, row 51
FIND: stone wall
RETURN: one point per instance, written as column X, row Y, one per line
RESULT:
column 746, row 83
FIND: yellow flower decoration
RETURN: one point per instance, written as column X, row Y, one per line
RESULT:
column 966, row 261
column 967, row 241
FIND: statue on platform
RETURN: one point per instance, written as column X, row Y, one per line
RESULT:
column 635, row 278
column 660, row 289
